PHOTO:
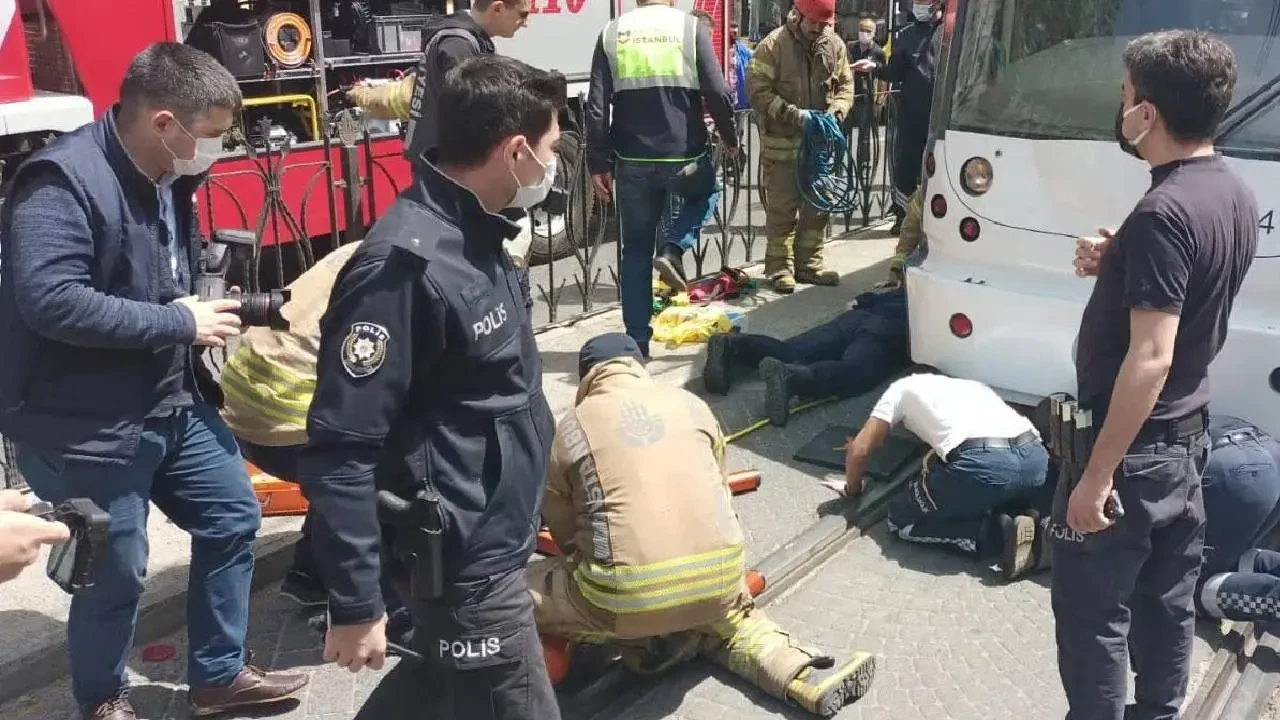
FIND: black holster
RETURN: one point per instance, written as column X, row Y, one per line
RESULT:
column 1071, row 437
column 419, row 542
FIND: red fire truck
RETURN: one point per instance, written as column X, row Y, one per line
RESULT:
column 298, row 168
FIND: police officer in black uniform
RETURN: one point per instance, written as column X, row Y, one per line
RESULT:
column 429, row 398
column 1157, row 317
column 911, row 70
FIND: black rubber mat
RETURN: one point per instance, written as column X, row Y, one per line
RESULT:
column 827, row 450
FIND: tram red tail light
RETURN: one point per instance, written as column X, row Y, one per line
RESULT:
column 930, row 165
column 961, row 326
column 938, row 206
column 970, row 229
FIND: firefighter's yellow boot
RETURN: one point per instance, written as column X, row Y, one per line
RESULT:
column 754, row 647
column 810, row 269
column 778, row 264
column 823, row 691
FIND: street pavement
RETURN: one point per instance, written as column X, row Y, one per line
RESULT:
column 951, row 642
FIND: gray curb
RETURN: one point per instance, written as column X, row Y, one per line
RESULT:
column 160, row 615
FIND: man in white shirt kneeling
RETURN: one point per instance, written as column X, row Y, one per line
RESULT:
column 982, row 480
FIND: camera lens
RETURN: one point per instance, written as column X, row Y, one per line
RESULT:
column 263, row 309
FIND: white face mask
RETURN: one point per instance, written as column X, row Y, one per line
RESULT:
column 865, row 38
column 922, row 12
column 206, row 154
column 1142, row 135
column 529, row 195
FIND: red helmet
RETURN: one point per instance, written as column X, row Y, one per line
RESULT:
column 818, row 11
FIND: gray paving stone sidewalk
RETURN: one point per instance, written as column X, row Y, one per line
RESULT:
column 951, row 642
column 280, row 639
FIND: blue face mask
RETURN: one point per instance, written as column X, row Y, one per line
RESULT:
column 922, row 12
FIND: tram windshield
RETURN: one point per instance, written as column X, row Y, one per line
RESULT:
column 1051, row 69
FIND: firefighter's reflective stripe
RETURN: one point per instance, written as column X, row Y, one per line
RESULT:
column 774, row 142
column 399, row 95
column 653, row 47
column 274, row 392
column 761, row 67
column 660, row 586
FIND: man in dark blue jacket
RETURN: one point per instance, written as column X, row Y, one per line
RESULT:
column 100, row 388
column 429, row 387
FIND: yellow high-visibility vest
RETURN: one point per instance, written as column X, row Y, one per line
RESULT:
column 653, row 46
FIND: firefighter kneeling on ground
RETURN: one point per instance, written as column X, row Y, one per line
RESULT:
column 637, row 500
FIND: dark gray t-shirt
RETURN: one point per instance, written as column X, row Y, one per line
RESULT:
column 1184, row 249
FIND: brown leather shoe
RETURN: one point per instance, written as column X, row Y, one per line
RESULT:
column 253, row 687
column 113, row 709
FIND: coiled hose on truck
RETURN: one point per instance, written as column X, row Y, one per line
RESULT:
column 822, row 174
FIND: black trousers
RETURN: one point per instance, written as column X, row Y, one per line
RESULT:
column 282, row 462
column 482, row 656
column 1131, row 587
column 908, row 160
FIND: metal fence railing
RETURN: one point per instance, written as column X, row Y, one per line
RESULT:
column 582, row 279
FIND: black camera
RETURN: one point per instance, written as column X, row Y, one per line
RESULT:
column 257, row 309
column 71, row 563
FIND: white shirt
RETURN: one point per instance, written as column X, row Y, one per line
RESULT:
column 945, row 412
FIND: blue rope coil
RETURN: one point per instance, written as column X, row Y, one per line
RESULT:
column 822, row 174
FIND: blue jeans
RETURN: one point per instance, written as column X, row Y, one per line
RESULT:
column 643, row 190
column 188, row 464
column 1241, row 487
column 686, row 218
column 949, row 505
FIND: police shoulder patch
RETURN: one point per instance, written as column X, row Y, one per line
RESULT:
column 364, row 349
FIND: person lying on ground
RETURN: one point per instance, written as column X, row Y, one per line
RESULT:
column 844, row 357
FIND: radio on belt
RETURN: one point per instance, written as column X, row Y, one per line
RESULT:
column 1071, row 438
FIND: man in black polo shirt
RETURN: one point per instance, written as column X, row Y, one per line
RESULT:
column 1157, row 317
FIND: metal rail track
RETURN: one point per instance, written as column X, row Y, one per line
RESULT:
column 1241, row 678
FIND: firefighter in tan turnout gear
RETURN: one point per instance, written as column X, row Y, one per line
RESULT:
column 638, row 502
column 798, row 69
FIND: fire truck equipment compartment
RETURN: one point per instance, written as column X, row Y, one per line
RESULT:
column 398, row 33
column 238, row 46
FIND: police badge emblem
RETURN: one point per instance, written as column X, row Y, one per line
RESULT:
column 364, row 349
